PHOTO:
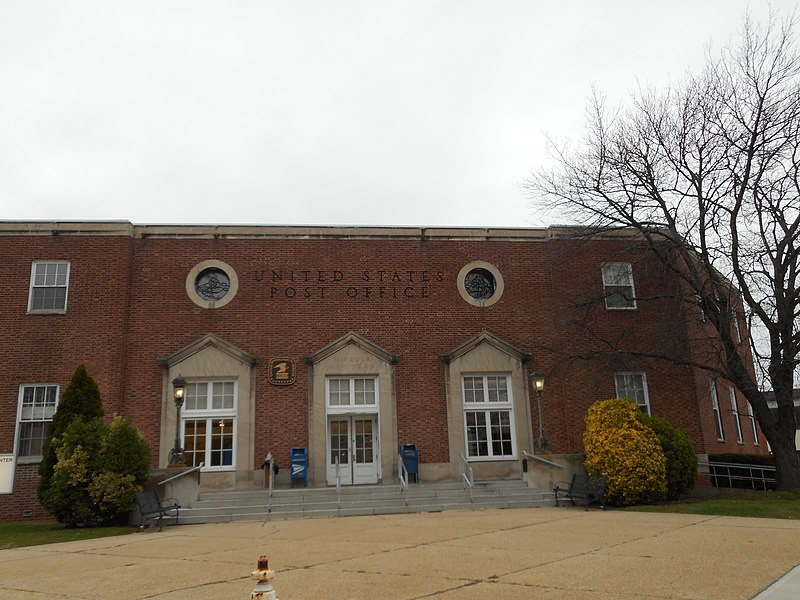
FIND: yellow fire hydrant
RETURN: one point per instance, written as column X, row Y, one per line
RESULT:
column 263, row 574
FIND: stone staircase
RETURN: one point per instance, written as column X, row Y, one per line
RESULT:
column 297, row 503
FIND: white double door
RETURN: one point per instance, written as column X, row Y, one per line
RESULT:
column 353, row 440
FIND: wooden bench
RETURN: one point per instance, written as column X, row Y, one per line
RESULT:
column 588, row 488
column 152, row 507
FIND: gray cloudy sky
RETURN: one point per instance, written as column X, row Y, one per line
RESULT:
column 317, row 112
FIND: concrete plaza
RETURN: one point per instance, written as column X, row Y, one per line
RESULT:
column 515, row 554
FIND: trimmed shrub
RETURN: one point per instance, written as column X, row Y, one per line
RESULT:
column 744, row 459
column 627, row 451
column 99, row 468
column 81, row 400
column 681, row 460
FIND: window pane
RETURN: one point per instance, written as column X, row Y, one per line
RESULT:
column 715, row 410
column 49, row 286
column 618, row 285
column 338, row 434
column 473, row 389
column 364, row 391
column 363, row 434
column 222, row 395
column 498, row 390
column 338, row 392
column 194, row 442
column 634, row 387
column 31, row 438
column 36, row 411
column 196, row 396
column 477, row 435
column 221, row 454
column 501, row 433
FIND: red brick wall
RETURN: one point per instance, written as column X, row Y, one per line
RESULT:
column 128, row 307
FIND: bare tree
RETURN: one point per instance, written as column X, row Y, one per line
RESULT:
column 708, row 172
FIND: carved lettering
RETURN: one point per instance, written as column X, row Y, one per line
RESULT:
column 412, row 284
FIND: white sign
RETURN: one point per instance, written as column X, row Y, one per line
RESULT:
column 6, row 473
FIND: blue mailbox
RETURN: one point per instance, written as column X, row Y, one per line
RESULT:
column 410, row 455
column 298, row 465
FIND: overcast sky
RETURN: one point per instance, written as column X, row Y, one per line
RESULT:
column 317, row 112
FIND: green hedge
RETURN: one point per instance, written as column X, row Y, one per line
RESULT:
column 743, row 459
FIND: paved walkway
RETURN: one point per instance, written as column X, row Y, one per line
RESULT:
column 553, row 553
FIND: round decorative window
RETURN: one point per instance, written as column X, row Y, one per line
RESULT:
column 212, row 284
column 480, row 283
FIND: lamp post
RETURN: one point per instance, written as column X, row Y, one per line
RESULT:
column 538, row 385
column 176, row 456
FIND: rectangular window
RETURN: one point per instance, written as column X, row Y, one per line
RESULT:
column 737, row 332
column 209, row 424
column 488, row 416
column 633, row 385
column 618, row 286
column 752, row 418
column 49, row 285
column 735, row 410
column 715, row 410
column 37, row 405
column 352, row 391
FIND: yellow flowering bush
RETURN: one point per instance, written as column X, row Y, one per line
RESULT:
column 628, row 452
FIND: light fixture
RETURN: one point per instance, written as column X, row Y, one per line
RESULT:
column 176, row 456
column 537, row 377
column 538, row 380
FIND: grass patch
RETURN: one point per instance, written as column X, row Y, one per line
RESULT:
column 768, row 505
column 34, row 533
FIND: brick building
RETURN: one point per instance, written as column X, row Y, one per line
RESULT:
column 345, row 341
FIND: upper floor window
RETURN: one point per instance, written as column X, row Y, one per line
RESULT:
column 715, row 410
column 49, row 285
column 633, row 385
column 737, row 332
column 752, row 418
column 488, row 416
column 735, row 410
column 37, row 405
column 618, row 285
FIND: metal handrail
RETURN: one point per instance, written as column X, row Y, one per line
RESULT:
column 402, row 472
column 765, row 473
column 181, row 474
column 544, row 460
column 338, row 483
column 271, row 474
column 467, row 475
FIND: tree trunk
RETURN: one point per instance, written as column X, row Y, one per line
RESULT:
column 787, row 460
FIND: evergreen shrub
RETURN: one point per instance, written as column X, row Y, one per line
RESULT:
column 99, row 468
column 81, row 400
column 681, row 460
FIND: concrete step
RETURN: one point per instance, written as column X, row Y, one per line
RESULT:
column 360, row 500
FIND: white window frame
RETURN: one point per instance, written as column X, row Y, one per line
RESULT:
column 616, row 276
column 633, row 385
column 486, row 407
column 39, row 281
column 212, row 417
column 356, row 398
column 716, row 411
column 752, row 418
column 38, row 414
column 735, row 410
